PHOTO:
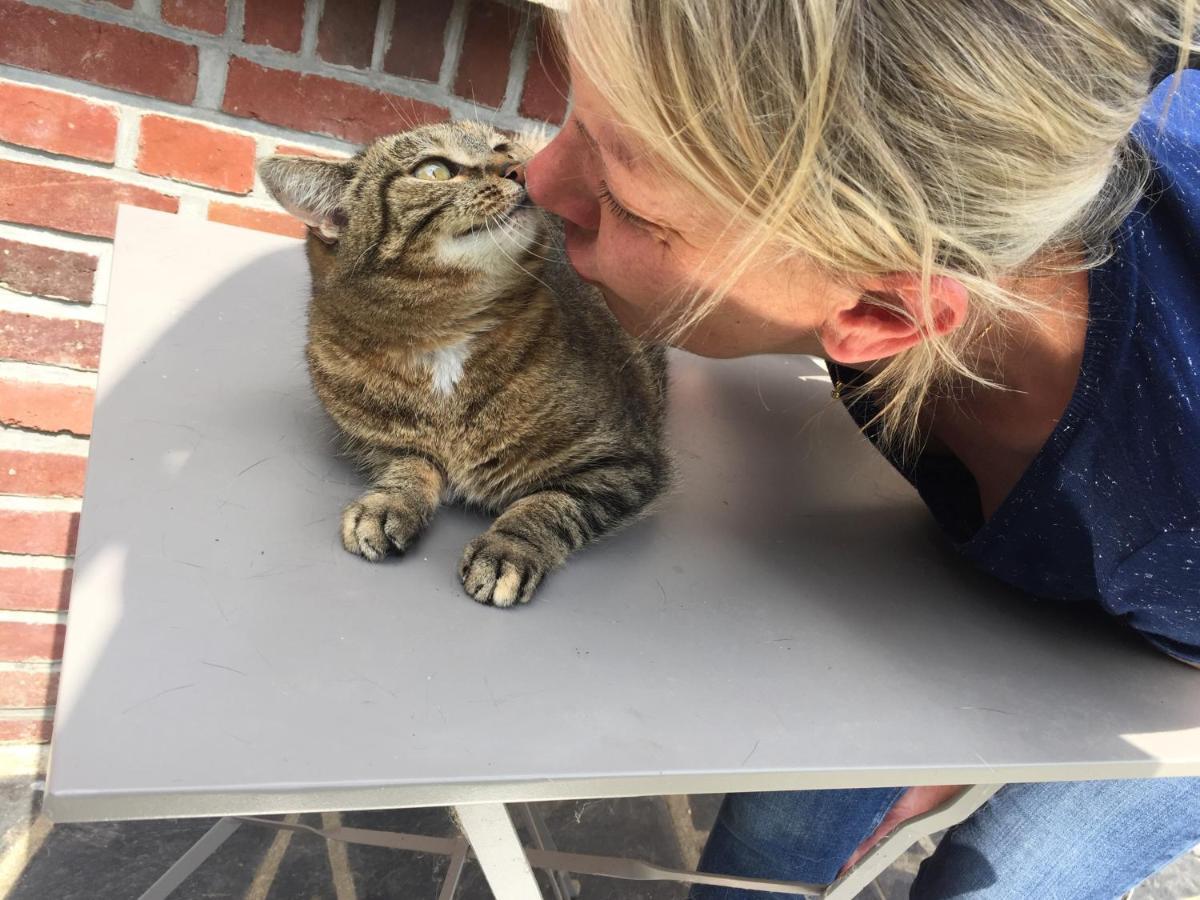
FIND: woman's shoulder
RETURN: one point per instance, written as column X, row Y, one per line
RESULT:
column 1172, row 113
column 1156, row 590
column 1168, row 132
column 1155, row 265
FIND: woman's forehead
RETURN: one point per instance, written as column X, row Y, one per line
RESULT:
column 601, row 127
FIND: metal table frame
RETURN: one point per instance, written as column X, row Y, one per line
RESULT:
column 491, row 835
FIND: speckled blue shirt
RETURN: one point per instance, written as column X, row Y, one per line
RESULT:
column 1109, row 510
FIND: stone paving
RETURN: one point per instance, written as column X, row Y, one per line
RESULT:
column 117, row 861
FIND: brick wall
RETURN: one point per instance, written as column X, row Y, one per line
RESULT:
column 166, row 104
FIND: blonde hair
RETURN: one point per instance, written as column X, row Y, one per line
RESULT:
column 943, row 137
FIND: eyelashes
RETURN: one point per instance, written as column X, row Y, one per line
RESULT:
column 617, row 209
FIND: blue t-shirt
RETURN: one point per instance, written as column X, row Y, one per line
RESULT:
column 1109, row 510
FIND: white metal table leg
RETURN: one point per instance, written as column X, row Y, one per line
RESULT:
column 907, row 833
column 453, row 873
column 192, row 860
column 560, row 882
column 490, row 830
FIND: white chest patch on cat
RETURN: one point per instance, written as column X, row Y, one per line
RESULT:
column 446, row 366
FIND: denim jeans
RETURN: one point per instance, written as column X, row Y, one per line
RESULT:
column 1075, row 841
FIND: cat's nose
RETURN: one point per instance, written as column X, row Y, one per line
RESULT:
column 516, row 172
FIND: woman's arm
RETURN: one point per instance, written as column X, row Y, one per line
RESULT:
column 1156, row 591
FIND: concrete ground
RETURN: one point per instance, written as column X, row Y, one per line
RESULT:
column 119, row 861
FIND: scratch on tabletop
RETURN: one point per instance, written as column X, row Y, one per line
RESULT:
column 252, row 465
column 753, row 750
column 182, row 687
column 219, row 666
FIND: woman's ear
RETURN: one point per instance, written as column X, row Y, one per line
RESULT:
column 888, row 317
column 310, row 189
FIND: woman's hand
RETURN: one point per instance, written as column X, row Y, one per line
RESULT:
column 913, row 802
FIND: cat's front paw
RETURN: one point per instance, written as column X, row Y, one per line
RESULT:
column 377, row 522
column 501, row 570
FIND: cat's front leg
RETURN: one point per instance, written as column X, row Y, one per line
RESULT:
column 505, row 564
column 402, row 500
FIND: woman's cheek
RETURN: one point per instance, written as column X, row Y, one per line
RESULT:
column 639, row 276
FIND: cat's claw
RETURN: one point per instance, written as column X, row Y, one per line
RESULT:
column 375, row 524
column 498, row 571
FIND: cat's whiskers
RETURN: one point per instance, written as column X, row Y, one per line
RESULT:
column 499, row 246
column 367, row 251
column 529, row 238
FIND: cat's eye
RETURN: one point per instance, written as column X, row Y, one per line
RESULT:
column 434, row 170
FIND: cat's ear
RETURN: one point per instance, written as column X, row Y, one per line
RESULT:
column 312, row 190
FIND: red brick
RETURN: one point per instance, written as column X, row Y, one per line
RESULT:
column 27, row 642
column 107, row 54
column 58, row 342
column 346, row 34
column 487, row 52
column 418, row 39
column 34, row 589
column 187, row 151
column 31, row 269
column 69, row 201
column 547, row 83
column 59, row 123
column 198, row 15
column 46, row 407
column 28, row 690
column 319, row 104
column 259, row 220
column 41, row 474
column 25, row 731
column 276, row 23
column 40, row 532
column 296, row 150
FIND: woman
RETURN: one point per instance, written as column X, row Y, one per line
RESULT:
column 980, row 217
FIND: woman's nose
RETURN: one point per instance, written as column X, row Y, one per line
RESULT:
column 555, row 183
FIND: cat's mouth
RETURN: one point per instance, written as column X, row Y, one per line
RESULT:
column 498, row 220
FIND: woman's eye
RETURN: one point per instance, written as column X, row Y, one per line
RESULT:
column 620, row 211
column 433, row 171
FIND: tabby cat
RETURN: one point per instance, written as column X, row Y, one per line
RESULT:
column 463, row 360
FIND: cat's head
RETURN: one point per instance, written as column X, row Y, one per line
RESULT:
column 443, row 197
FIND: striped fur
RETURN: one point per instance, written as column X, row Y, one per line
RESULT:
column 462, row 359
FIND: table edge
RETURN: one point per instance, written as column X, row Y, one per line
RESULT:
column 68, row 807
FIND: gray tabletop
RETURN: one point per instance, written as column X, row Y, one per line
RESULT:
column 789, row 619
